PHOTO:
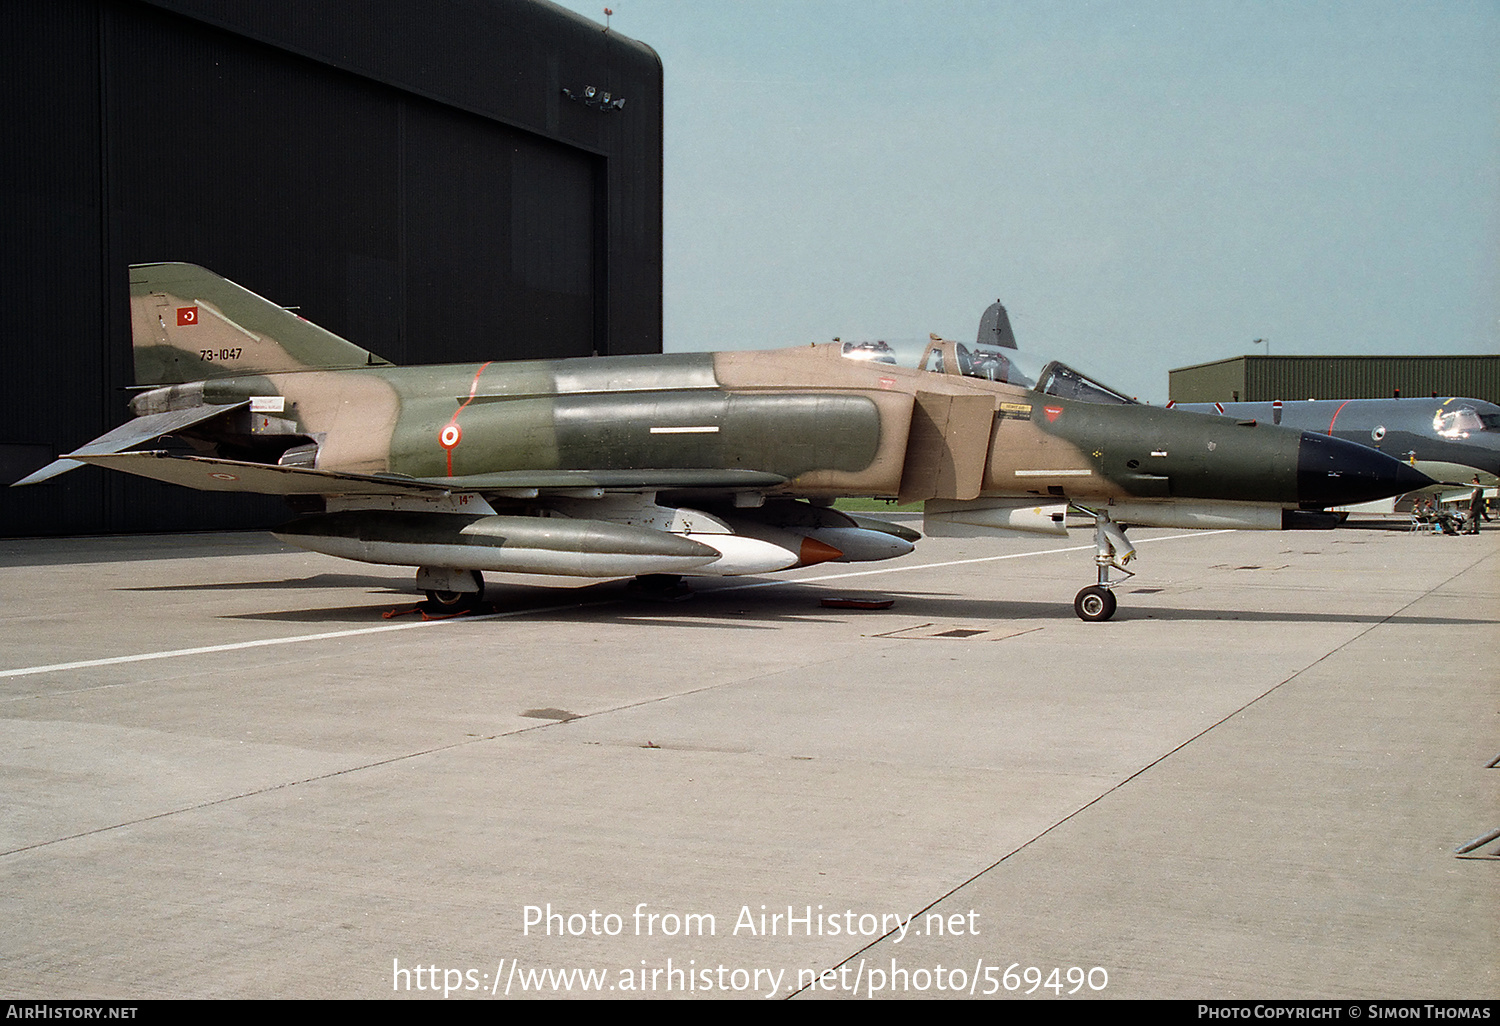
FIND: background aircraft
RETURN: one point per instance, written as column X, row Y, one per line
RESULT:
column 703, row 464
column 1450, row 439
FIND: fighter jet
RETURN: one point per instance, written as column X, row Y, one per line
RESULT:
column 1451, row 439
column 654, row 467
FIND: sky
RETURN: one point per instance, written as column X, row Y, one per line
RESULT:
column 1144, row 185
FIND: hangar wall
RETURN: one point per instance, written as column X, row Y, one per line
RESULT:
column 408, row 173
column 1267, row 378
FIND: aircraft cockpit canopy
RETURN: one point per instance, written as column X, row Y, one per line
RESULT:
column 1066, row 383
column 875, row 352
column 994, row 363
column 1462, row 422
column 1056, row 378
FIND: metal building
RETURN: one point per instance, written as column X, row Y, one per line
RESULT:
column 1267, row 378
column 432, row 179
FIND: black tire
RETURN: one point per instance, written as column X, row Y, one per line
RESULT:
column 659, row 588
column 456, row 601
column 1095, row 604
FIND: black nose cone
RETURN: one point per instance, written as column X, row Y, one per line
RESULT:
column 1333, row 472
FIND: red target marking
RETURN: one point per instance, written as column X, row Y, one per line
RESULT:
column 450, row 435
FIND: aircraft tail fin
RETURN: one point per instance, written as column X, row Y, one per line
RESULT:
column 189, row 324
column 994, row 328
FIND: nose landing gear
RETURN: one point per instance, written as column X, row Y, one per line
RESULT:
column 1095, row 603
column 1112, row 550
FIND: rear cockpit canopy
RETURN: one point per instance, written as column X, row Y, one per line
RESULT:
column 993, row 357
column 946, row 357
column 1056, row 378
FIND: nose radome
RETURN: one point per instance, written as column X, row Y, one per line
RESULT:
column 1333, row 472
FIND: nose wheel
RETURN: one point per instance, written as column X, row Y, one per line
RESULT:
column 1095, row 603
column 1112, row 550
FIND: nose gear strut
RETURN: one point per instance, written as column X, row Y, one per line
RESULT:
column 1112, row 550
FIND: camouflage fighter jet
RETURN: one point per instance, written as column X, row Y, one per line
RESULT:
column 1450, row 439
column 711, row 464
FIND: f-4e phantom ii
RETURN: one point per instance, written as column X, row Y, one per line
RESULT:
column 1450, row 439
column 713, row 464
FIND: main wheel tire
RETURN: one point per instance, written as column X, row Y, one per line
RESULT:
column 457, row 601
column 452, row 601
column 1095, row 604
column 659, row 588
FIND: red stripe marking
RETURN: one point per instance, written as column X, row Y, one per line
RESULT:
column 453, row 421
column 1336, row 415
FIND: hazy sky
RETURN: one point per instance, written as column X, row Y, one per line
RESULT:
column 1144, row 185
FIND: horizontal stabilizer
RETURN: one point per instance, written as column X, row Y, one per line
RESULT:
column 142, row 429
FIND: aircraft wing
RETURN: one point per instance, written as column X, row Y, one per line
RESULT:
column 141, row 429
column 218, row 475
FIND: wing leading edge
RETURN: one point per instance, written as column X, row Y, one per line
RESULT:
column 220, row 475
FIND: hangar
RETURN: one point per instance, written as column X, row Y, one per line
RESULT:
column 1258, row 379
column 437, row 180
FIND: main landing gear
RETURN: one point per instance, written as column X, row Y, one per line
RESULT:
column 659, row 588
column 451, row 591
column 1112, row 550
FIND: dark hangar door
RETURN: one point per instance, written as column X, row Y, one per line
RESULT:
column 423, row 232
column 499, row 241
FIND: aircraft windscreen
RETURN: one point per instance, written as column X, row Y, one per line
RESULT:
column 1462, row 422
column 1066, row 383
column 875, row 352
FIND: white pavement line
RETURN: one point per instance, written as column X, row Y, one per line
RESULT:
column 83, row 664
column 142, row 657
